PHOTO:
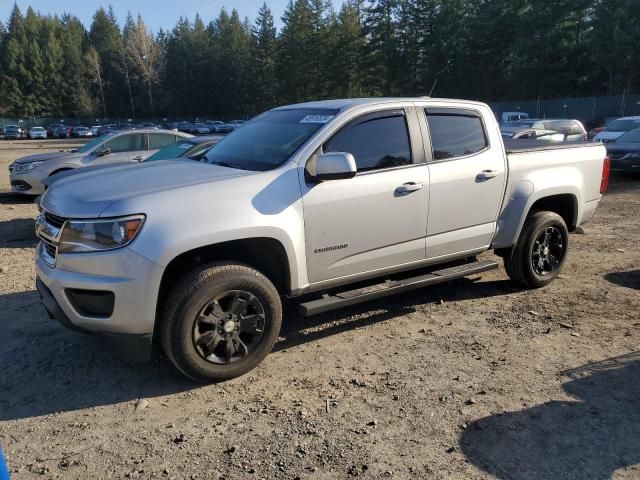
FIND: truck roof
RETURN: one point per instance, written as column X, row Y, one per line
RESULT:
column 346, row 103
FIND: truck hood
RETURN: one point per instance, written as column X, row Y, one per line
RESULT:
column 43, row 157
column 88, row 194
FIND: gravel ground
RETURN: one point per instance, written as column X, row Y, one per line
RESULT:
column 475, row 379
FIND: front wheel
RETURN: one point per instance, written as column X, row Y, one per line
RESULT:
column 538, row 256
column 220, row 322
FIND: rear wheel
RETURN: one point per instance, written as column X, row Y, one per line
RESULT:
column 220, row 322
column 538, row 256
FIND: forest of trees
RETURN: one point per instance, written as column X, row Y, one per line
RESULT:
column 231, row 67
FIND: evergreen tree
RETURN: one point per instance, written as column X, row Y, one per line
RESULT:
column 105, row 37
column 380, row 25
column 347, row 53
column 263, row 61
column 14, row 76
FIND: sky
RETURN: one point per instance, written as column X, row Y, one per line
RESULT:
column 156, row 14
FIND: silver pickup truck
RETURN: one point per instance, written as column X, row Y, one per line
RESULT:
column 332, row 203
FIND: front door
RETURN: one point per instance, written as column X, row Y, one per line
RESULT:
column 377, row 219
column 468, row 175
column 122, row 149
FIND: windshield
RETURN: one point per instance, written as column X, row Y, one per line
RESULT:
column 630, row 137
column 270, row 139
column 37, row 129
column 90, row 145
column 175, row 150
column 623, row 125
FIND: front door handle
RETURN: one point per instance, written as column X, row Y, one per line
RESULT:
column 409, row 187
column 486, row 175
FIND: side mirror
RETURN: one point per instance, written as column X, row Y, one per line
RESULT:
column 335, row 166
column 102, row 152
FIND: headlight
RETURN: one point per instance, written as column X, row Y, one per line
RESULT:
column 80, row 236
column 23, row 167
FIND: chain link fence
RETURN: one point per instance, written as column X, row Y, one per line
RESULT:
column 592, row 111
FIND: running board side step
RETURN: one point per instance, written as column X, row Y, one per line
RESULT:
column 390, row 287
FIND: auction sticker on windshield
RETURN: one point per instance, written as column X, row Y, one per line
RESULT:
column 316, row 119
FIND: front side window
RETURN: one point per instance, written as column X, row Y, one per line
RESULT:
column 160, row 140
column 455, row 133
column 126, row 143
column 376, row 141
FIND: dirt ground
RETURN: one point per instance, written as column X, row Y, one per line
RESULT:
column 475, row 379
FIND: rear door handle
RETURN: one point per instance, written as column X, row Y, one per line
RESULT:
column 409, row 187
column 486, row 174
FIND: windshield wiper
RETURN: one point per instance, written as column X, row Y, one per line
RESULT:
column 229, row 165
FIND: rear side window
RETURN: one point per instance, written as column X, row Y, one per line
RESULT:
column 455, row 133
column 126, row 143
column 160, row 140
column 376, row 141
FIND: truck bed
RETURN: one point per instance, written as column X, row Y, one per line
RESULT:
column 526, row 146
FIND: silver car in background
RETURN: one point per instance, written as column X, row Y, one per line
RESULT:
column 128, row 146
column 37, row 132
column 572, row 130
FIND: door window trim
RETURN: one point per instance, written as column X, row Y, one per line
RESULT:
column 378, row 114
column 454, row 112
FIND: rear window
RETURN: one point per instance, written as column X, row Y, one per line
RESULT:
column 455, row 132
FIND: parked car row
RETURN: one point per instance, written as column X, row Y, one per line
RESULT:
column 59, row 130
column 206, row 127
column 13, row 132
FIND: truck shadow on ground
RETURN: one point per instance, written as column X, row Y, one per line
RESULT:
column 48, row 369
column 558, row 439
column 18, row 233
column 298, row 330
column 630, row 279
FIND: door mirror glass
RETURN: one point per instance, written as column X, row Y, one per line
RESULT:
column 101, row 152
column 335, row 166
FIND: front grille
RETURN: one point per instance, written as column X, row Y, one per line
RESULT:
column 50, row 249
column 49, row 230
column 48, row 253
column 54, row 220
column 616, row 155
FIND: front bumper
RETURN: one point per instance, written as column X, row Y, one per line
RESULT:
column 29, row 182
column 133, row 280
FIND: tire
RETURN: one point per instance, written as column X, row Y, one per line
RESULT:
column 529, row 263
column 200, row 311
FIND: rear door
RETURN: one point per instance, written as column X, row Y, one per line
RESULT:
column 378, row 219
column 467, row 172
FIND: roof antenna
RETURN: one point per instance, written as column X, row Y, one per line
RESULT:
column 433, row 86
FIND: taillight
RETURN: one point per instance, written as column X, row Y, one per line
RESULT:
column 606, row 170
